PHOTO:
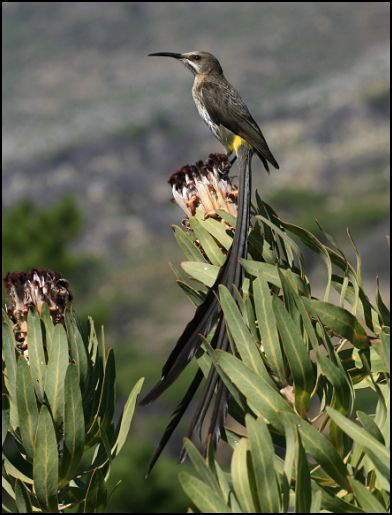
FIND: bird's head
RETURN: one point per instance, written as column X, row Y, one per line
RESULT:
column 202, row 63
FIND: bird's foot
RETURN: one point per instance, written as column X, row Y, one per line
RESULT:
column 224, row 173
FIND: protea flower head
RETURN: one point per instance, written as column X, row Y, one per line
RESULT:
column 206, row 186
column 29, row 290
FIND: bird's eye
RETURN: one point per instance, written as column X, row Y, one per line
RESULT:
column 196, row 58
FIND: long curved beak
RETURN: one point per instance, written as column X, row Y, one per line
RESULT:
column 167, row 54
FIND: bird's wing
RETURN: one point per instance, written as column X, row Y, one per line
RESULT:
column 227, row 108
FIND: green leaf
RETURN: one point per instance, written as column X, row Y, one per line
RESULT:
column 74, row 425
column 262, row 457
column 14, row 472
column 303, row 490
column 261, row 397
column 332, row 503
column 22, row 498
column 297, row 356
column 267, row 326
column 227, row 217
column 377, row 452
column 46, row 463
column 77, row 348
column 202, row 272
column 338, row 320
column 365, row 499
column 36, row 353
column 195, row 296
column 271, row 274
column 321, row 449
column 200, row 465
column 240, row 477
column 342, row 390
column 48, row 325
column 96, row 495
column 218, row 230
column 370, row 426
column 27, row 406
column 241, row 336
column 385, row 314
column 126, row 417
column 55, row 373
column 9, row 372
column 291, row 449
column 202, row 495
column 208, row 243
column 312, row 242
column 5, row 417
column 107, row 401
column 187, row 245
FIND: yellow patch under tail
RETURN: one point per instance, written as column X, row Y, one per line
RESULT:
column 236, row 143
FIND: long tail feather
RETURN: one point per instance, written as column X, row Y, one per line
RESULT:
column 230, row 275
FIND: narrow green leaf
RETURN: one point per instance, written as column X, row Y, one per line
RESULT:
column 36, row 353
column 74, row 433
column 240, row 477
column 46, row 463
column 55, row 373
column 297, row 355
column 187, row 245
column 107, row 401
column 291, row 449
column 261, row 398
column 77, row 348
column 218, row 230
column 370, row 426
column 386, row 350
column 9, row 372
column 312, row 242
column 14, row 472
column 343, row 394
column 194, row 296
column 384, row 312
column 241, row 336
column 338, row 320
column 366, row 500
column 5, row 417
column 95, row 500
column 200, row 465
column 230, row 219
column 303, row 490
column 22, row 498
column 46, row 319
column 202, row 272
column 27, row 406
column 267, row 326
column 262, row 457
column 202, row 495
column 126, row 417
column 208, row 243
column 332, row 503
column 322, row 450
column 270, row 274
column 377, row 452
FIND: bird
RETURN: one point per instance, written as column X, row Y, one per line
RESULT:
column 222, row 109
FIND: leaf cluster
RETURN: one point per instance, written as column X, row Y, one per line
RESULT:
column 298, row 368
column 58, row 417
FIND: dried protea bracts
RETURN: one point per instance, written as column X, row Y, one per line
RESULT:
column 31, row 290
column 206, row 186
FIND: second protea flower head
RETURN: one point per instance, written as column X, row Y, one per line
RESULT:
column 205, row 186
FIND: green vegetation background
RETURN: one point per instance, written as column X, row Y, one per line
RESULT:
column 92, row 130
